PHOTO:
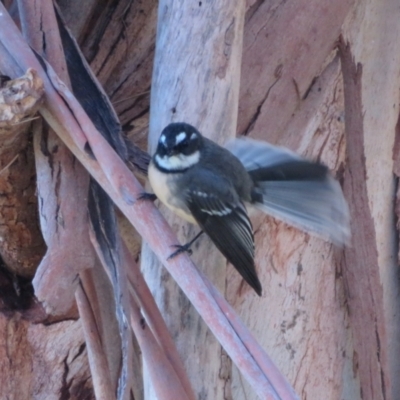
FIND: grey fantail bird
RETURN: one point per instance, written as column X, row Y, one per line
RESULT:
column 209, row 185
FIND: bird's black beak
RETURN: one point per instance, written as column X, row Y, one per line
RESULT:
column 172, row 152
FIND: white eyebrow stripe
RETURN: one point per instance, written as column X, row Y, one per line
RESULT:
column 193, row 136
column 163, row 139
column 179, row 138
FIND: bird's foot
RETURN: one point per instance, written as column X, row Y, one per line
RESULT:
column 185, row 248
column 147, row 196
column 181, row 249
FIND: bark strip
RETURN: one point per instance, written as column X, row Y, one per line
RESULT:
column 360, row 265
column 59, row 179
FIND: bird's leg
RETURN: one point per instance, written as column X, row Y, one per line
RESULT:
column 184, row 248
column 147, row 196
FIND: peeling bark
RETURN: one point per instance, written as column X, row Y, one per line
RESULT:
column 291, row 94
column 284, row 46
column 21, row 243
column 360, row 266
column 59, row 178
column 120, row 51
column 373, row 38
column 43, row 362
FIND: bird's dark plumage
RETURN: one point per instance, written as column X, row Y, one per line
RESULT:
column 222, row 215
column 208, row 184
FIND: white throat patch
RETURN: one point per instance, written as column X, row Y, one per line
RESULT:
column 178, row 161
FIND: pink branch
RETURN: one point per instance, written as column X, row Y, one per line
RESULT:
column 155, row 321
column 166, row 382
column 97, row 360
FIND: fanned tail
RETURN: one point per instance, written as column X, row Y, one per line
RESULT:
column 299, row 192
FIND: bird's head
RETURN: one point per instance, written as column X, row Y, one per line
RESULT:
column 178, row 147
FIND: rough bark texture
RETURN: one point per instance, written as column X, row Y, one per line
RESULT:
column 373, row 33
column 321, row 335
column 21, row 243
column 285, row 46
column 43, row 362
column 360, row 267
column 332, row 326
column 302, row 319
column 60, row 178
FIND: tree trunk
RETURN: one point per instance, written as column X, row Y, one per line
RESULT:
column 328, row 317
column 195, row 79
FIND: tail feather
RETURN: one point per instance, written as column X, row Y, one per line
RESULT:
column 295, row 170
column 297, row 191
column 313, row 206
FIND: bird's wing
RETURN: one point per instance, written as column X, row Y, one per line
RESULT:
column 254, row 154
column 224, row 218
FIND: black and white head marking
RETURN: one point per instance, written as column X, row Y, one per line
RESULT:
column 163, row 140
column 180, row 137
column 178, row 147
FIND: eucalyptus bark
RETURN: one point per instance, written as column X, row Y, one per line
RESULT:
column 317, row 315
column 21, row 243
column 195, row 79
column 330, row 317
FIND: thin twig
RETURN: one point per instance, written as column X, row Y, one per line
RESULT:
column 25, row 120
column 97, row 360
column 9, row 164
